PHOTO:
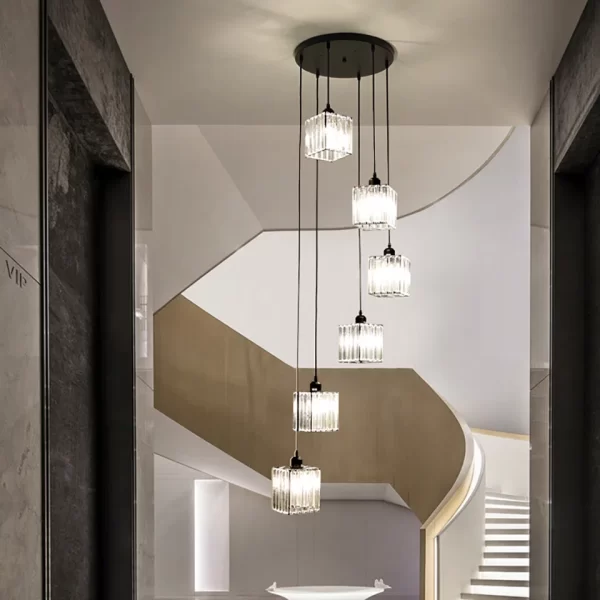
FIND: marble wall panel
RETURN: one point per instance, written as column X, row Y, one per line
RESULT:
column 144, row 355
column 73, row 362
column 20, row 377
column 19, row 132
column 20, row 442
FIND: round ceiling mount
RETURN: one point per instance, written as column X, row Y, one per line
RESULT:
column 350, row 55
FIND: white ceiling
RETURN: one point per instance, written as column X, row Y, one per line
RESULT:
column 465, row 62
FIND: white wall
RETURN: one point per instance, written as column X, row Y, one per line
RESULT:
column 346, row 543
column 174, row 535
column 211, row 535
column 506, row 464
column 199, row 214
column 465, row 328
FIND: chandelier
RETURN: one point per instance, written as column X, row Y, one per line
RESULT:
column 316, row 411
column 360, row 342
column 297, row 489
column 388, row 274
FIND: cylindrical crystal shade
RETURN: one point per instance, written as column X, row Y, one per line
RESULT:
column 361, row 343
column 328, row 136
column 374, row 206
column 296, row 490
column 319, row 411
column 389, row 276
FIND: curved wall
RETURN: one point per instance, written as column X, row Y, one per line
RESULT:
column 465, row 328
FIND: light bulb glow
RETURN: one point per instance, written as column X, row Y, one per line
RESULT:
column 360, row 343
column 319, row 411
column 389, row 276
column 328, row 136
column 374, row 207
column 296, row 490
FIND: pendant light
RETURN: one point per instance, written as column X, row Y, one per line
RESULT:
column 328, row 135
column 297, row 489
column 360, row 342
column 316, row 410
column 374, row 206
column 389, row 274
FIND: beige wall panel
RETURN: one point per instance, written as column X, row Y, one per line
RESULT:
column 393, row 427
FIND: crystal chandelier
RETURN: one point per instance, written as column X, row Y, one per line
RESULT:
column 327, row 135
column 360, row 342
column 375, row 206
column 316, row 410
column 297, row 489
column 389, row 275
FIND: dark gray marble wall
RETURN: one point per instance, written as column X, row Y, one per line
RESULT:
column 73, row 362
column 577, row 81
column 89, row 42
column 20, row 376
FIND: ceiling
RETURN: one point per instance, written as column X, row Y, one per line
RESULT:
column 465, row 62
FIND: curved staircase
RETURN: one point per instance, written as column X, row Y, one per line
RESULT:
column 504, row 574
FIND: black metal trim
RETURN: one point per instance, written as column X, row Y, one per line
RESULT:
column 134, row 365
column 44, row 304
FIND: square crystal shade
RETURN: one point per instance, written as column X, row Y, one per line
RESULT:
column 296, row 491
column 319, row 411
column 374, row 206
column 328, row 136
column 389, row 276
column 360, row 343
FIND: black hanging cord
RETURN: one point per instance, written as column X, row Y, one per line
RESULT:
column 328, row 70
column 387, row 117
column 299, row 255
column 373, row 69
column 359, row 273
column 358, row 180
column 316, row 241
column 387, row 127
column 358, row 119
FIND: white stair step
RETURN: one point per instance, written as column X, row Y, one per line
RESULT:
column 503, row 553
column 489, row 506
column 506, row 574
column 507, row 529
column 495, row 560
column 506, row 517
column 484, row 581
column 507, row 510
column 514, row 535
column 508, row 499
column 505, row 543
column 472, row 596
column 514, row 569
column 500, row 590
